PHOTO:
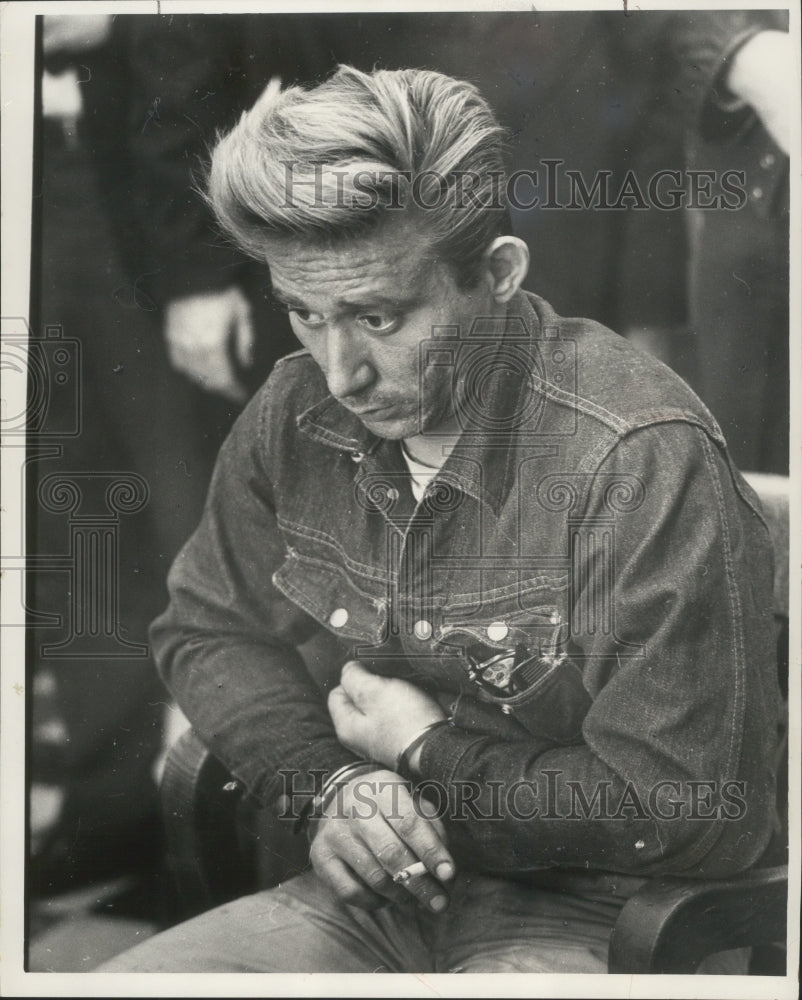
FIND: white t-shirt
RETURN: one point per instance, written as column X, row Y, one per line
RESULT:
column 421, row 474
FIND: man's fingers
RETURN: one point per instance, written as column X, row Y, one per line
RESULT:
column 347, row 719
column 359, row 683
column 423, row 839
column 353, row 672
column 216, row 375
column 430, row 811
column 396, row 855
column 352, row 871
column 347, row 886
column 200, row 330
column 340, row 704
column 376, row 834
column 210, row 368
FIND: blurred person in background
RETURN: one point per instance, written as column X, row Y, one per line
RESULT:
column 722, row 85
column 97, row 715
column 739, row 260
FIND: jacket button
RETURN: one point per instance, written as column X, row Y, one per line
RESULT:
column 497, row 632
column 393, row 494
column 357, row 456
column 767, row 160
column 422, row 630
column 506, row 709
column 757, row 193
column 338, row 618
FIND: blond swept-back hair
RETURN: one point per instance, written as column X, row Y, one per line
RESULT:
column 329, row 163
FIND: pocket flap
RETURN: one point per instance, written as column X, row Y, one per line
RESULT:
column 326, row 592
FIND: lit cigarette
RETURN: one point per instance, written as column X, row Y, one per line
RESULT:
column 411, row 871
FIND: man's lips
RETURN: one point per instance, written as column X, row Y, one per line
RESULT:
column 372, row 410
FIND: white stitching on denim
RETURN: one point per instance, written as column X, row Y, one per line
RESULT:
column 582, row 404
column 314, row 534
column 340, row 571
column 706, row 842
column 735, row 602
column 471, row 600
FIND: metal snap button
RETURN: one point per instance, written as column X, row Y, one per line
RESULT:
column 392, row 494
column 422, row 630
column 767, row 160
column 506, row 709
column 757, row 193
column 497, row 632
column 357, row 456
column 338, row 617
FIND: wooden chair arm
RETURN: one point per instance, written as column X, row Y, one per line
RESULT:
column 670, row 925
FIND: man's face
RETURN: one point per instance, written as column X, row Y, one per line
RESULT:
column 363, row 309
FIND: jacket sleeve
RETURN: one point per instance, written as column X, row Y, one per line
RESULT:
column 675, row 769
column 227, row 644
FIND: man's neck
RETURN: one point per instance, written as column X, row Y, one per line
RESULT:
column 434, row 448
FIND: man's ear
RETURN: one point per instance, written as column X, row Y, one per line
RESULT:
column 507, row 264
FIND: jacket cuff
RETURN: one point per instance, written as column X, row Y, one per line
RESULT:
column 297, row 780
column 443, row 751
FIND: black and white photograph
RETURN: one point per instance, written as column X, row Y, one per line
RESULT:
column 400, row 501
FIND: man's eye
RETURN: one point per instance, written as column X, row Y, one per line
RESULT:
column 308, row 318
column 378, row 322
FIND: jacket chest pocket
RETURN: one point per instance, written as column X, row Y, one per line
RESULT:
column 327, row 593
column 516, row 658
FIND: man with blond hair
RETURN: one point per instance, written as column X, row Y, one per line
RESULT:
column 536, row 590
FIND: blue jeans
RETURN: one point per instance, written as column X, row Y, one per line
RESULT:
column 492, row 925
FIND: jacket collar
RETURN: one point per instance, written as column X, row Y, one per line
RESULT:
column 482, row 463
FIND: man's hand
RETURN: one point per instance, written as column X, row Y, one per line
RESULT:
column 378, row 717
column 207, row 336
column 370, row 831
column 762, row 74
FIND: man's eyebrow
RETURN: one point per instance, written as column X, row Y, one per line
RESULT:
column 372, row 301
column 284, row 297
column 362, row 302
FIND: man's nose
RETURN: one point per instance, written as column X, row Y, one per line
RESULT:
column 348, row 368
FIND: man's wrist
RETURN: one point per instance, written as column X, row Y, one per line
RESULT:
column 315, row 806
column 408, row 761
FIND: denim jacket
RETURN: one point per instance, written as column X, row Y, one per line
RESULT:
column 589, row 523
